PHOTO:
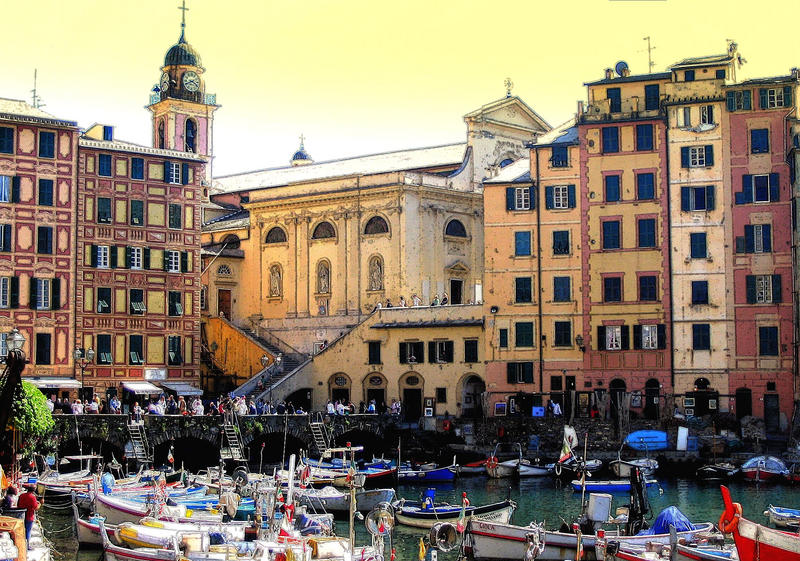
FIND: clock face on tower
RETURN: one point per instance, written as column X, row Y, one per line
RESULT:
column 191, row 81
column 164, row 82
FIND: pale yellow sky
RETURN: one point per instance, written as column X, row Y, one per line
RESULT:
column 359, row 76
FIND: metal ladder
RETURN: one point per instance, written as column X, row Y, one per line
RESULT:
column 233, row 450
column 320, row 436
column 141, row 451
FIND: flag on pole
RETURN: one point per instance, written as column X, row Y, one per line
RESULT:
column 570, row 440
column 421, row 550
column 170, row 457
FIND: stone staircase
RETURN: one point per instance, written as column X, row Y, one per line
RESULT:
column 274, row 374
column 141, row 451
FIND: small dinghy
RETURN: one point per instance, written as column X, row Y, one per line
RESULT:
column 426, row 513
column 647, row 440
column 330, row 499
column 781, row 517
column 622, row 468
column 517, row 467
column 608, row 486
column 722, row 471
column 431, row 475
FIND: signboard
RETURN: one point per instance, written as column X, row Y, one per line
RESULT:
column 155, row 373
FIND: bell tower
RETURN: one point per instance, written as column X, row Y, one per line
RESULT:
column 183, row 113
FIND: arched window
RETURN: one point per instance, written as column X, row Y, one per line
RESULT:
column 276, row 235
column 231, row 241
column 275, row 281
column 701, row 384
column 323, row 278
column 324, row 230
column 161, row 136
column 191, row 135
column 224, row 270
column 455, row 228
column 376, row 273
column 376, row 225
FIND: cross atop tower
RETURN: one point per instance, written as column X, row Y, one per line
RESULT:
column 302, row 140
column 183, row 9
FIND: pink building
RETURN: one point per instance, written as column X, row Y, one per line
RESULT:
column 761, row 360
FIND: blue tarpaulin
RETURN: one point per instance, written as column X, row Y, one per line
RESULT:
column 670, row 516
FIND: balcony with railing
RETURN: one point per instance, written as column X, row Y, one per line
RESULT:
column 177, row 93
column 633, row 107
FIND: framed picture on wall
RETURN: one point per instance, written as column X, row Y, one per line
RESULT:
column 636, row 399
column 429, row 411
column 688, row 402
column 499, row 409
column 428, row 402
column 712, row 403
column 689, row 412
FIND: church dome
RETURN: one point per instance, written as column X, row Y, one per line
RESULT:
column 183, row 54
column 301, row 157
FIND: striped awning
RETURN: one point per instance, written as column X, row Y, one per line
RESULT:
column 145, row 388
column 53, row 382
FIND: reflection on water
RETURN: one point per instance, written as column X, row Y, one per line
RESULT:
column 538, row 499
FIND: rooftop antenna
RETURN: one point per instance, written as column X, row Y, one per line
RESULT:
column 35, row 98
column 650, row 63
column 509, row 86
column 183, row 9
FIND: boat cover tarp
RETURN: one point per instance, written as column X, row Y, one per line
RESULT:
column 670, row 516
column 770, row 463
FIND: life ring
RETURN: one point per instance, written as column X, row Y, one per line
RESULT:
column 492, row 462
column 728, row 526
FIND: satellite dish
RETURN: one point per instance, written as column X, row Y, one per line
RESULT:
column 380, row 520
column 620, row 68
column 444, row 536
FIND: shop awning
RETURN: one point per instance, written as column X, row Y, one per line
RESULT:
column 53, row 382
column 145, row 388
column 182, row 388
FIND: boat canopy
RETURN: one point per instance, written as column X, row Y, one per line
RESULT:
column 770, row 463
column 670, row 516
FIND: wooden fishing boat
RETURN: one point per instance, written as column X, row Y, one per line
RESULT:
column 434, row 475
column 473, row 468
column 119, row 510
column 573, row 468
column 420, row 514
column 781, row 517
column 87, row 531
column 490, row 540
column 517, row 467
column 755, row 542
column 717, row 472
column 330, row 499
column 607, row 486
column 662, row 552
column 764, row 468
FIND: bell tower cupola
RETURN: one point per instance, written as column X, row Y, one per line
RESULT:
column 183, row 113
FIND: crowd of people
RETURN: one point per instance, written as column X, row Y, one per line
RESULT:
column 415, row 302
column 346, row 407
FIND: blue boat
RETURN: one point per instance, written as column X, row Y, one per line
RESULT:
column 647, row 440
column 436, row 475
column 609, row 486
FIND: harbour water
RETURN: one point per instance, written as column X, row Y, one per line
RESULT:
column 538, row 499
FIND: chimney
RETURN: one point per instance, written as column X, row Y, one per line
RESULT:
column 626, row 72
column 795, row 74
column 580, row 107
column 609, row 73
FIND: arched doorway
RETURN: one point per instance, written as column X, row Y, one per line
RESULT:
column 374, row 385
column 472, row 397
column 652, row 389
column 744, row 402
column 411, row 388
column 339, row 387
column 617, row 389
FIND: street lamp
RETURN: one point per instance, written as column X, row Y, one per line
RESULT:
column 15, row 364
column 83, row 359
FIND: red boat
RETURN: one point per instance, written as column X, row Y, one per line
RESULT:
column 754, row 541
column 764, row 468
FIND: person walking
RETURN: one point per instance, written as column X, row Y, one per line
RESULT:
column 31, row 504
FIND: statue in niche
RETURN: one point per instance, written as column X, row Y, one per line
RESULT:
column 323, row 278
column 376, row 274
column 275, row 283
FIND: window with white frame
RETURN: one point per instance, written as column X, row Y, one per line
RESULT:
column 649, row 336
column 103, row 260
column 136, row 258
column 687, row 117
column 173, row 261
column 522, row 198
column 697, row 156
column 774, row 98
column 5, row 291
column 613, row 337
column 561, row 196
column 175, row 175
column 42, row 294
column 763, row 289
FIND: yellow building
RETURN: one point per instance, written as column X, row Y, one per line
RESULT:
column 327, row 242
column 427, row 357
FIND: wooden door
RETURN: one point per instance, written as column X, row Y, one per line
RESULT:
column 224, row 303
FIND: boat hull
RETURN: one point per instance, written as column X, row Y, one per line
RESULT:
column 365, row 500
column 783, row 517
column 438, row 475
column 607, row 486
column 499, row 512
column 622, row 468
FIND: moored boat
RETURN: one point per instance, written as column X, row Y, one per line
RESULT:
column 722, row 471
column 781, row 517
column 607, row 486
column 118, row 510
column 622, row 468
column 434, row 475
column 754, row 541
column 426, row 513
column 764, row 468
column 330, row 499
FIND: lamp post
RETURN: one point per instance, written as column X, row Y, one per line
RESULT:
column 83, row 359
column 15, row 364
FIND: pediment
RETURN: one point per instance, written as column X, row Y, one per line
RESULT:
column 509, row 112
column 458, row 267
